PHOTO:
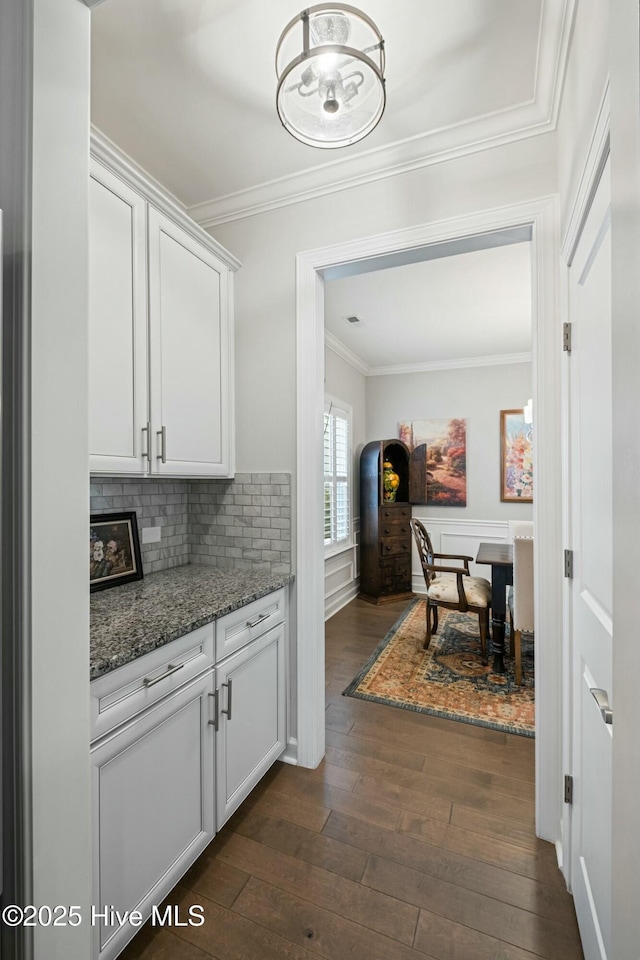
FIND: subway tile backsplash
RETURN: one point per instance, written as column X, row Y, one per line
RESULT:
column 163, row 503
column 244, row 523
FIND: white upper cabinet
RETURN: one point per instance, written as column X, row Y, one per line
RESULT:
column 117, row 325
column 161, row 337
column 189, row 356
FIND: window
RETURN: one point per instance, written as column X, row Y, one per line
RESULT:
column 337, row 474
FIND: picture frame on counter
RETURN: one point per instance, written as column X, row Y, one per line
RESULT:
column 114, row 550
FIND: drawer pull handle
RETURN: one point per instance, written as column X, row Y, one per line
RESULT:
column 172, row 668
column 254, row 623
column 229, row 692
column 216, row 710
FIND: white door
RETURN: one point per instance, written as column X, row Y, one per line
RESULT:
column 118, row 396
column 152, row 807
column 592, row 585
column 251, row 734
column 189, row 353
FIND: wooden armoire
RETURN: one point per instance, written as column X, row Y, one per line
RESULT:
column 385, row 534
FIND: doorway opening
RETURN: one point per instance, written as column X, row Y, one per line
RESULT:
column 430, row 351
column 536, row 221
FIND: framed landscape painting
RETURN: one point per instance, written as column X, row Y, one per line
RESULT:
column 446, row 442
column 114, row 550
column 516, row 458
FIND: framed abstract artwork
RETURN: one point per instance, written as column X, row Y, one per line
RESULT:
column 114, row 550
column 516, row 458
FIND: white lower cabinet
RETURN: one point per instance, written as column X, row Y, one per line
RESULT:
column 153, row 806
column 171, row 762
column 251, row 727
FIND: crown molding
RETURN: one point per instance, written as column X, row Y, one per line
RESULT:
column 427, row 366
column 433, row 366
column 109, row 154
column 461, row 140
column 525, row 120
column 338, row 347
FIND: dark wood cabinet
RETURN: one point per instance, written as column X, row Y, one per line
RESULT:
column 385, row 534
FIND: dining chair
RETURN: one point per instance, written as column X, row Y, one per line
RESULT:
column 520, row 528
column 451, row 587
column 521, row 599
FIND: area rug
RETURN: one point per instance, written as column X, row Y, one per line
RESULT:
column 447, row 680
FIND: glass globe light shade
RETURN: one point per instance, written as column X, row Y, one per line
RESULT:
column 330, row 68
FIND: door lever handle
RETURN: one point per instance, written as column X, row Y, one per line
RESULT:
column 602, row 699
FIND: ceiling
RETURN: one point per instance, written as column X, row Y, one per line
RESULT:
column 464, row 310
column 186, row 88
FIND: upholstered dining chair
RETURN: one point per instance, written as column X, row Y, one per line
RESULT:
column 520, row 528
column 451, row 587
column 521, row 598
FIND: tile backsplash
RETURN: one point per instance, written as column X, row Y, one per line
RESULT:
column 244, row 523
column 157, row 503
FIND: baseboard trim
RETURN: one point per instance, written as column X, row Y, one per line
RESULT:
column 344, row 596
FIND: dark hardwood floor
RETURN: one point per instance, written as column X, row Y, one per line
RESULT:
column 415, row 837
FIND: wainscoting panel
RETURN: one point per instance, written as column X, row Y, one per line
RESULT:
column 461, row 537
column 341, row 575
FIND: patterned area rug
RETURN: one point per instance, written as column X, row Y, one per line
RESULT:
column 447, row 680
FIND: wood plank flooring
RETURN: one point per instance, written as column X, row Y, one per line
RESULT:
column 414, row 838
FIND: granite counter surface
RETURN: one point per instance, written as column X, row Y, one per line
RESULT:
column 131, row 620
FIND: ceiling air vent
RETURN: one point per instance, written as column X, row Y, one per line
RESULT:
column 353, row 320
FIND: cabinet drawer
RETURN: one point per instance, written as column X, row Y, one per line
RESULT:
column 128, row 690
column 395, row 528
column 395, row 546
column 243, row 625
column 395, row 511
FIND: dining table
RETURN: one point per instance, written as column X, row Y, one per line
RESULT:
column 499, row 556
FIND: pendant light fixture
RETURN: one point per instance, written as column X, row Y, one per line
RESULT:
column 330, row 69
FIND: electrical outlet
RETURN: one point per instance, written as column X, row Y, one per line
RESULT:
column 151, row 534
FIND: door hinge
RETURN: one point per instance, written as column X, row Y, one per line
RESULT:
column 568, row 788
column 566, row 337
column 568, row 564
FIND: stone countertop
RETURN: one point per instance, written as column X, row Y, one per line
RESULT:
column 133, row 619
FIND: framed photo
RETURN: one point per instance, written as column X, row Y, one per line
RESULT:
column 516, row 458
column 114, row 550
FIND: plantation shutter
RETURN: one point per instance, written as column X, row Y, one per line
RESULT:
column 337, row 459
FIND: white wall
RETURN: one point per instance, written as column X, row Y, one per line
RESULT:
column 267, row 246
column 476, row 394
column 59, row 656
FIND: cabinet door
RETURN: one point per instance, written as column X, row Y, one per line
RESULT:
column 153, row 806
column 190, row 359
column 251, row 734
column 118, row 397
